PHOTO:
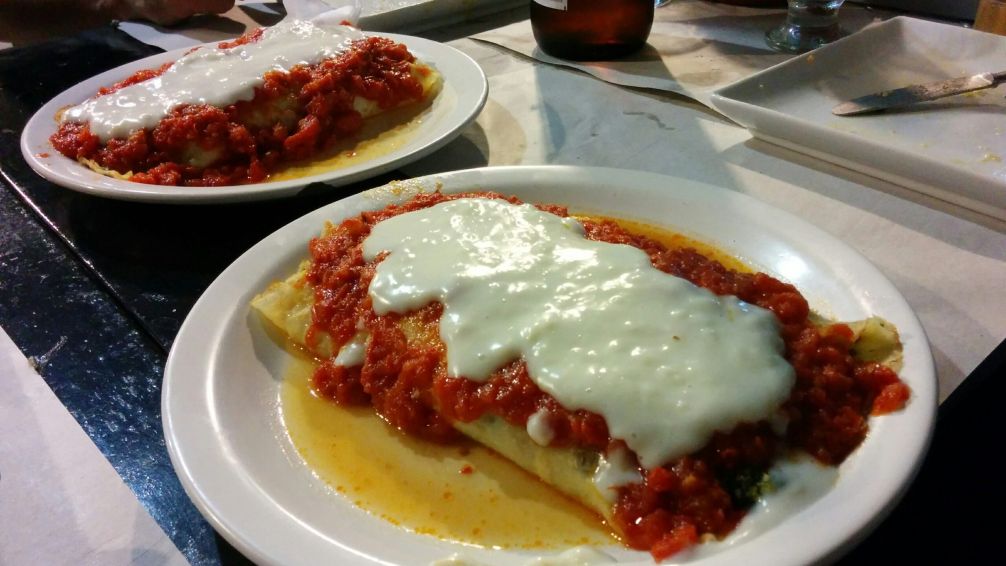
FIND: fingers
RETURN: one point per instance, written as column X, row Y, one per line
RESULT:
column 217, row 6
column 167, row 12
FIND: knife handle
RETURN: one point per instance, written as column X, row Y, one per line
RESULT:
column 998, row 78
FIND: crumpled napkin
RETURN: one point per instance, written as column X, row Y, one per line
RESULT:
column 324, row 11
column 694, row 47
column 243, row 17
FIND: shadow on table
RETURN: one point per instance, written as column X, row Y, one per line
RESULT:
column 230, row 556
column 899, row 214
column 469, row 150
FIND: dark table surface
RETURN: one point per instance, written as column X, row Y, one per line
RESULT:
column 95, row 290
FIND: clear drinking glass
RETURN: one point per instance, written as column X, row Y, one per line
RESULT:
column 809, row 24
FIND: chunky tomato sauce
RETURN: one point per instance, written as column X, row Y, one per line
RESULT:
column 676, row 504
column 293, row 116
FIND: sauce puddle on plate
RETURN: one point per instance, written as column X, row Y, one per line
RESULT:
column 461, row 492
column 381, row 135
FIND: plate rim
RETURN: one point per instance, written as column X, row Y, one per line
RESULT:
column 60, row 170
column 923, row 405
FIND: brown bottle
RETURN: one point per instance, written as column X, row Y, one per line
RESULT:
column 591, row 29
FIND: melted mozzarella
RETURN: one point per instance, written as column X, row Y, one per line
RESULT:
column 538, row 428
column 666, row 363
column 213, row 76
column 354, row 352
column 615, row 469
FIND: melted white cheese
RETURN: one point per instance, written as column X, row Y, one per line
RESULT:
column 354, row 352
column 213, row 76
column 615, row 469
column 665, row 363
column 538, row 428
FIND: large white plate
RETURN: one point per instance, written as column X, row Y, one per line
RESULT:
column 464, row 93
column 953, row 149
column 221, row 384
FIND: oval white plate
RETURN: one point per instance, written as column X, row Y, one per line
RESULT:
column 221, row 384
column 462, row 97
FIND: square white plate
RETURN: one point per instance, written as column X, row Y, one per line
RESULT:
column 953, row 149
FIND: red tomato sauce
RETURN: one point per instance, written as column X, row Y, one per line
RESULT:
column 676, row 504
column 293, row 116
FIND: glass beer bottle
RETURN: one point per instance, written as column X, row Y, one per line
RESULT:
column 591, row 29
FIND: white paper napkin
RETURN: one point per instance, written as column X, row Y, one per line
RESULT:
column 61, row 502
column 246, row 15
column 402, row 16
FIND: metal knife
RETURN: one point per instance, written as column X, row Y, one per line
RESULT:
column 913, row 94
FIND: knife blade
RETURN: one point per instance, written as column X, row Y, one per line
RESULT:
column 913, row 94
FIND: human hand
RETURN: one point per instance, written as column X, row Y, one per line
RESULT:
column 167, row 12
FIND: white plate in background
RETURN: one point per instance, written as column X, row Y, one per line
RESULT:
column 953, row 149
column 221, row 391
column 462, row 96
